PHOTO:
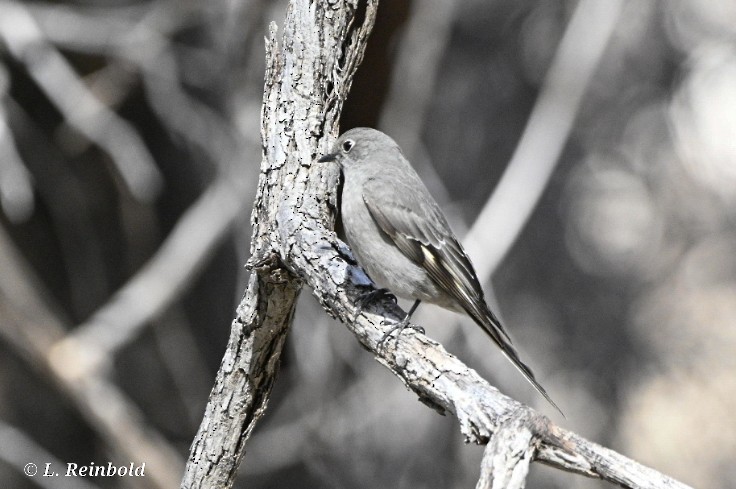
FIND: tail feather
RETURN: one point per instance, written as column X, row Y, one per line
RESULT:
column 510, row 353
column 499, row 336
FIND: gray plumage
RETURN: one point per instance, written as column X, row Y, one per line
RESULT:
column 402, row 239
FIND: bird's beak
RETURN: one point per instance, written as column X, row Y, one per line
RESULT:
column 328, row 158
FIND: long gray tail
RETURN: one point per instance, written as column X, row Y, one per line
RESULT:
column 493, row 327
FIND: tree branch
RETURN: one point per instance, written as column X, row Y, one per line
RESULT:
column 81, row 108
column 122, row 318
column 306, row 83
column 443, row 382
column 31, row 326
column 507, row 456
column 521, row 186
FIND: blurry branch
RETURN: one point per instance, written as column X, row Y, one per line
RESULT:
column 81, row 109
column 182, row 356
column 268, row 453
column 17, row 450
column 30, row 326
column 159, row 282
column 205, row 224
column 141, row 42
column 106, row 28
column 420, row 51
column 78, row 363
column 16, row 189
column 521, row 186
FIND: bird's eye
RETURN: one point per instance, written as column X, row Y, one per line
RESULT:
column 348, row 145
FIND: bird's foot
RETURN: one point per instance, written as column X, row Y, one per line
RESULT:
column 400, row 326
column 371, row 296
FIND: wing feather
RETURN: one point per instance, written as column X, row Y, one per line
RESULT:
column 415, row 223
column 419, row 229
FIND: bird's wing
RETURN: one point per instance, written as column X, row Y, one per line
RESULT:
column 415, row 223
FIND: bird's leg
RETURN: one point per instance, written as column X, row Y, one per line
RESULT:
column 411, row 311
column 402, row 325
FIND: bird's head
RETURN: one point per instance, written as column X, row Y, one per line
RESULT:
column 358, row 147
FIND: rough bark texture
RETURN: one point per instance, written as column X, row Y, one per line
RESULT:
column 507, row 456
column 308, row 78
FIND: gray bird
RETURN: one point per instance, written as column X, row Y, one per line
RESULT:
column 400, row 236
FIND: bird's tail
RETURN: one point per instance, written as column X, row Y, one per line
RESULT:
column 493, row 327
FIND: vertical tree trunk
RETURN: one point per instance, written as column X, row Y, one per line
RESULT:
column 307, row 80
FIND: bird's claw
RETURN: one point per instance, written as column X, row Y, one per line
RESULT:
column 377, row 294
column 400, row 326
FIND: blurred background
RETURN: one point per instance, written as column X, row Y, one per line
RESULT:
column 129, row 154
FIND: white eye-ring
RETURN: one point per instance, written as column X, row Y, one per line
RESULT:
column 347, row 145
